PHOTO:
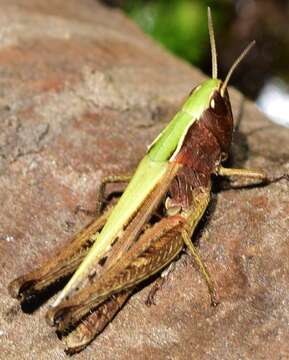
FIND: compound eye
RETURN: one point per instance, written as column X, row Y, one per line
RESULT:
column 218, row 105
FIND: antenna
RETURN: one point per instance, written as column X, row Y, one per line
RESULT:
column 235, row 64
column 213, row 45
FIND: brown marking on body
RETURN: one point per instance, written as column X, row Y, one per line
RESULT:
column 219, row 120
column 205, row 145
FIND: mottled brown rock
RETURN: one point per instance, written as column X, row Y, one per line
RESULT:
column 83, row 92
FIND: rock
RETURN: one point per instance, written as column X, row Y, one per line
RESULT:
column 83, row 93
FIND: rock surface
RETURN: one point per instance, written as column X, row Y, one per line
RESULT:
column 83, row 92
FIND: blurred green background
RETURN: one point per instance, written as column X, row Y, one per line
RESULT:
column 181, row 27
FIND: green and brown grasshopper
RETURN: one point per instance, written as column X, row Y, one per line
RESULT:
column 124, row 246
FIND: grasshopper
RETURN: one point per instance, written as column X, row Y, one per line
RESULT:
column 123, row 246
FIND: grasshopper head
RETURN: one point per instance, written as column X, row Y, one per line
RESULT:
column 211, row 98
column 212, row 93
